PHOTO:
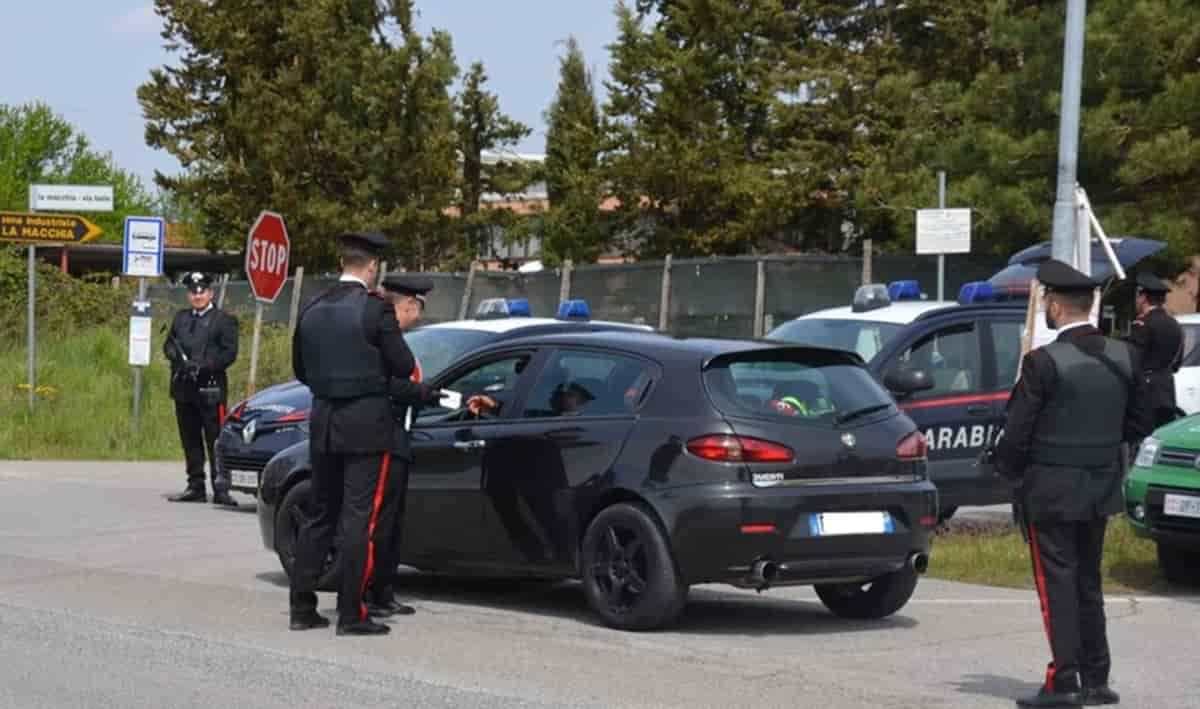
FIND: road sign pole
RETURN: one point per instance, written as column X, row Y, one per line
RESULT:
column 1068, row 133
column 32, row 317
column 941, row 257
column 137, row 371
column 258, row 313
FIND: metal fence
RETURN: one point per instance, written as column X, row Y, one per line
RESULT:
column 726, row 297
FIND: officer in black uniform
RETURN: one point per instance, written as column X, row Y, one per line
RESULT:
column 1075, row 403
column 407, row 295
column 202, row 344
column 347, row 348
column 1160, row 340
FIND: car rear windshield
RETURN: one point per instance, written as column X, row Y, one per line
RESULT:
column 438, row 347
column 866, row 337
column 813, row 389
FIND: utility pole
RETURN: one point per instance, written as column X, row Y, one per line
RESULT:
column 1068, row 134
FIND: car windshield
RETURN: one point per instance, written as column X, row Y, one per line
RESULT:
column 866, row 337
column 820, row 389
column 438, row 347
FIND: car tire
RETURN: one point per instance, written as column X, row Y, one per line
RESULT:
column 1178, row 564
column 872, row 600
column 287, row 527
column 629, row 574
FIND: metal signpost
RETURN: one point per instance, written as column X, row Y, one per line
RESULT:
column 143, row 258
column 34, row 229
column 943, row 231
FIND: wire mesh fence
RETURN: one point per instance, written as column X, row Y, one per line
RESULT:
column 717, row 297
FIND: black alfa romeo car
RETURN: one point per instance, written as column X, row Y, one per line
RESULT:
column 642, row 464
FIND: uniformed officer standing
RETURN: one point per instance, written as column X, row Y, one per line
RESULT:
column 347, row 348
column 1075, row 403
column 1160, row 340
column 202, row 344
column 407, row 297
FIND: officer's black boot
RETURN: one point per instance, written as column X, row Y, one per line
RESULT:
column 192, row 494
column 361, row 627
column 1099, row 696
column 382, row 603
column 222, row 497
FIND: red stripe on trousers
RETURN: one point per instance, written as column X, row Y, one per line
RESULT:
column 375, row 505
column 1039, row 574
column 221, row 415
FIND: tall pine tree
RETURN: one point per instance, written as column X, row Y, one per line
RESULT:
column 573, row 228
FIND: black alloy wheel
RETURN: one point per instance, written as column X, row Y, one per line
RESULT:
column 629, row 575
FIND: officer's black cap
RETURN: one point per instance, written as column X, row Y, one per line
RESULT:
column 1058, row 277
column 372, row 242
column 1150, row 283
column 405, row 284
column 197, row 282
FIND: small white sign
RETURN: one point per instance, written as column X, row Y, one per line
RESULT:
column 144, row 238
column 450, row 400
column 71, row 198
column 943, row 231
column 139, row 339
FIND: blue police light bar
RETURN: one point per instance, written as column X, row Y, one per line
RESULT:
column 519, row 308
column 976, row 292
column 574, row 310
column 904, row 290
column 870, row 297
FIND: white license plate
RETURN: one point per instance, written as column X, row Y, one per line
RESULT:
column 829, row 524
column 244, row 478
column 1182, row 506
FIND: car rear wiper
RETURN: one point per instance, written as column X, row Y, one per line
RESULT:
column 843, row 418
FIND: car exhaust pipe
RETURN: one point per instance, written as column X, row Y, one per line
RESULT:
column 918, row 562
column 763, row 573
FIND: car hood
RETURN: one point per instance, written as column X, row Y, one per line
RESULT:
column 1022, row 266
column 279, row 400
column 1184, row 433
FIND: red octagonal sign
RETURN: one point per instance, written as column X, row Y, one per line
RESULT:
column 267, row 252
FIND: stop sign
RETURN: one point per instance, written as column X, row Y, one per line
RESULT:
column 267, row 251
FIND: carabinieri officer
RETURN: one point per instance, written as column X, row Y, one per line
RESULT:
column 1077, row 400
column 1160, row 339
column 202, row 344
column 347, row 349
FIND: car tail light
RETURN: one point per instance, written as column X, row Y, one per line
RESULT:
column 758, row 529
column 293, row 417
column 912, row 447
column 739, row 449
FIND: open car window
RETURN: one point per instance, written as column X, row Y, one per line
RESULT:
column 496, row 379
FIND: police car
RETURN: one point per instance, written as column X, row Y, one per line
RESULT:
column 277, row 417
column 949, row 365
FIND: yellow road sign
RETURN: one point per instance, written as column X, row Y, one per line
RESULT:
column 29, row 228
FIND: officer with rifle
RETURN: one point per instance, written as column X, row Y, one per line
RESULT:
column 202, row 344
column 1159, row 338
column 1077, row 400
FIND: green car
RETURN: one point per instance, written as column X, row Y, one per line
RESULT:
column 1162, row 497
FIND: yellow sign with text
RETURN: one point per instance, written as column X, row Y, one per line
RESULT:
column 29, row 228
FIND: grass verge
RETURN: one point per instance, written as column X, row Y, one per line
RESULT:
column 85, row 400
column 994, row 554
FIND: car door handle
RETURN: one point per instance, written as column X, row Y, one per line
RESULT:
column 566, row 434
column 470, row 445
column 978, row 409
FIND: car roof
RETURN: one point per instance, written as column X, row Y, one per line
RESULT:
column 900, row 313
column 658, row 344
column 511, row 324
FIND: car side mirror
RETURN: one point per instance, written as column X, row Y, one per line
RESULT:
column 906, row 382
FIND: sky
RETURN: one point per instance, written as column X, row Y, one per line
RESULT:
column 86, row 58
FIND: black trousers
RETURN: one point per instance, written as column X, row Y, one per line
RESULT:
column 348, row 489
column 390, row 528
column 1066, row 566
column 199, row 426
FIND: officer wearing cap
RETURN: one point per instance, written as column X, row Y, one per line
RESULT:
column 406, row 294
column 347, row 348
column 201, row 345
column 1160, row 340
column 1076, row 402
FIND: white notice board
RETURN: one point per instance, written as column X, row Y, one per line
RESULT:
column 943, row 231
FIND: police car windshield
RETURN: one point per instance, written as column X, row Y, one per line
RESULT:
column 438, row 348
column 866, row 337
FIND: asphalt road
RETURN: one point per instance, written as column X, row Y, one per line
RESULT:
column 112, row 597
